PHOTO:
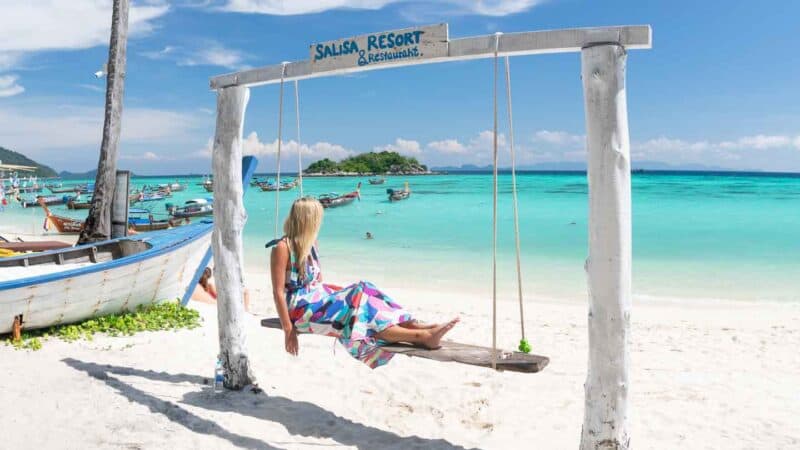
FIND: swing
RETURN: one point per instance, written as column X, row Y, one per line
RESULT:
column 490, row 357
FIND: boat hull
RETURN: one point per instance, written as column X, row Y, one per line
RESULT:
column 68, row 294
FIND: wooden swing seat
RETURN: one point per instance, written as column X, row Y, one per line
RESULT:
column 460, row 353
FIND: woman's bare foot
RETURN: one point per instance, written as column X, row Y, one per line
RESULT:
column 415, row 324
column 434, row 338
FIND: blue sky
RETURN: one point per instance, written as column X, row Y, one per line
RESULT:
column 718, row 88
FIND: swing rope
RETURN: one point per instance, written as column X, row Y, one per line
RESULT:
column 299, row 147
column 524, row 346
column 494, row 211
column 280, row 139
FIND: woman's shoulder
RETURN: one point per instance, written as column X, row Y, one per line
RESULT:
column 280, row 246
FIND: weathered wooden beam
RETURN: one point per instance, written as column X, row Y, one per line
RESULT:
column 120, row 204
column 512, row 44
column 605, row 423
column 226, row 240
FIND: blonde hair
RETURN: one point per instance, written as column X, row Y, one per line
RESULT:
column 301, row 229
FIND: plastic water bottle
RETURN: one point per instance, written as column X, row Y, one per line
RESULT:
column 219, row 377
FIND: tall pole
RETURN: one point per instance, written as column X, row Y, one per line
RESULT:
column 98, row 223
column 605, row 421
column 226, row 240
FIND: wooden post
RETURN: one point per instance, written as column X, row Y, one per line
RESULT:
column 605, row 421
column 119, row 207
column 98, row 223
column 226, row 240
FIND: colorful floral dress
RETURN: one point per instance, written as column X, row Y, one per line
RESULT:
column 353, row 314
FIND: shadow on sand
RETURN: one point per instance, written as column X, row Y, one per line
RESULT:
column 299, row 418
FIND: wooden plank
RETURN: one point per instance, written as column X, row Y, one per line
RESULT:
column 512, row 44
column 383, row 48
column 460, row 353
column 34, row 246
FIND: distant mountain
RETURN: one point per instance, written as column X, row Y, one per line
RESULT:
column 67, row 175
column 569, row 166
column 11, row 157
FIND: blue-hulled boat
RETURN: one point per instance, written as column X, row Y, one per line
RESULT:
column 76, row 283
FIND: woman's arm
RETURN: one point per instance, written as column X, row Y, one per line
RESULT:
column 279, row 260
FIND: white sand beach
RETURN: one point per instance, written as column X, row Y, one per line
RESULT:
column 718, row 375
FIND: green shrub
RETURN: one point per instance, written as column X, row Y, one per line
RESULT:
column 155, row 317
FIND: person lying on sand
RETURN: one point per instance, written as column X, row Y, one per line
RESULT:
column 206, row 292
column 360, row 315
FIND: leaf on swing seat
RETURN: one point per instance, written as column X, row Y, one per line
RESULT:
column 460, row 353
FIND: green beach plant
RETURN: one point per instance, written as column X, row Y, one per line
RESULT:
column 156, row 317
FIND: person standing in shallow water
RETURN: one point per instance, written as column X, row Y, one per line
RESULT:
column 360, row 316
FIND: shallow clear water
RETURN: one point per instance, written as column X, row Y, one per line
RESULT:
column 708, row 236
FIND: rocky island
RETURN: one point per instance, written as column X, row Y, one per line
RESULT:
column 372, row 163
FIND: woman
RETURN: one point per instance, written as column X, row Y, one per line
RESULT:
column 206, row 292
column 360, row 316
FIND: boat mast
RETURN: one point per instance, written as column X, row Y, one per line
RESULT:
column 98, row 224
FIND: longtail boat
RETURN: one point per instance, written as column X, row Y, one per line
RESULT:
column 100, row 278
column 66, row 189
column 377, row 180
column 333, row 200
column 75, row 204
column 285, row 186
column 399, row 194
column 192, row 208
column 45, row 200
column 64, row 225
column 144, row 224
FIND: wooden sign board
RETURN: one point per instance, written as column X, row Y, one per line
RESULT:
column 383, row 48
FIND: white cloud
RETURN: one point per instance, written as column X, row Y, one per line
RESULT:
column 74, row 24
column 9, row 86
column 58, row 127
column 665, row 144
column 402, row 146
column 292, row 7
column 252, row 145
column 755, row 142
column 211, row 53
column 451, row 146
column 9, row 60
column 759, row 142
column 558, row 137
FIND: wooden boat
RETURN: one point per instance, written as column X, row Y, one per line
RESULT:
column 399, row 194
column 75, row 204
column 285, row 186
column 144, row 224
column 192, row 208
column 148, row 197
column 335, row 200
column 77, row 283
column 173, row 187
column 208, row 187
column 377, row 180
column 67, row 189
column 48, row 200
column 64, row 225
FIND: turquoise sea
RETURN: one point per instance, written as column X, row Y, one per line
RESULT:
column 695, row 235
